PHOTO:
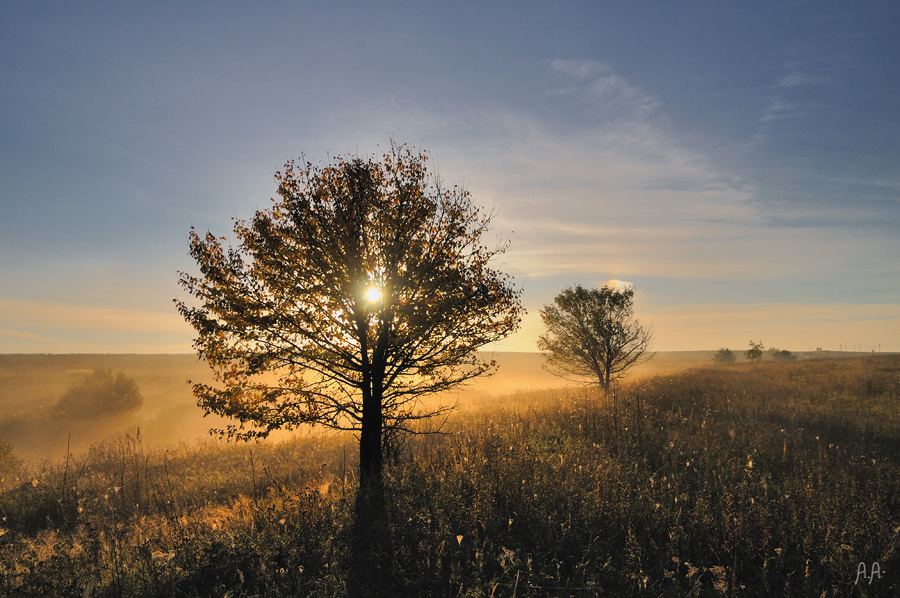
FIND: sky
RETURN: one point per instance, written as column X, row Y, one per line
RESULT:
column 738, row 163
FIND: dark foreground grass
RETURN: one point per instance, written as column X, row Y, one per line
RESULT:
column 774, row 479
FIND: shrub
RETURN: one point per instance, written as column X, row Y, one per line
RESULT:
column 9, row 463
column 100, row 394
column 725, row 355
column 782, row 355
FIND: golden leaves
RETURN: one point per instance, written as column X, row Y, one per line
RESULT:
column 291, row 295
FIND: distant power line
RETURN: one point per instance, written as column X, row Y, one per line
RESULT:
column 860, row 348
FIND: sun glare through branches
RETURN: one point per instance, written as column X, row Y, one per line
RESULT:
column 373, row 294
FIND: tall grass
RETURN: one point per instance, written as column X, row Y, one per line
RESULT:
column 770, row 479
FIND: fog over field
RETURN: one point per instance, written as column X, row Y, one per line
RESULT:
column 30, row 386
column 746, row 479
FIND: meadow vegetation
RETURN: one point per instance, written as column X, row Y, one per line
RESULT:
column 773, row 478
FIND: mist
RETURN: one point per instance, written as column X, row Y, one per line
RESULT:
column 31, row 387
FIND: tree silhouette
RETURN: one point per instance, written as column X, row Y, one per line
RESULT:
column 592, row 333
column 363, row 288
column 755, row 352
column 725, row 355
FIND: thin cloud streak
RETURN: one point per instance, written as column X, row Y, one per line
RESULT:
column 78, row 328
column 26, row 335
column 596, row 83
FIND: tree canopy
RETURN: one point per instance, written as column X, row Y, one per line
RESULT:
column 366, row 285
column 593, row 333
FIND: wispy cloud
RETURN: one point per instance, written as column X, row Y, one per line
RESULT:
column 704, row 326
column 618, row 285
column 790, row 99
column 622, row 190
column 779, row 109
column 596, row 82
column 797, row 73
column 879, row 182
column 46, row 326
column 25, row 335
column 33, row 315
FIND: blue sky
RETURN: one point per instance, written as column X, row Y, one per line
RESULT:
column 737, row 162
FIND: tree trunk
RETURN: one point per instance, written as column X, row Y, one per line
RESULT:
column 371, row 550
column 371, row 456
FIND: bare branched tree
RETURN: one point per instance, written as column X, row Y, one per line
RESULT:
column 592, row 333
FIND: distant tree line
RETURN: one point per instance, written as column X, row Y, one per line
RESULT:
column 754, row 354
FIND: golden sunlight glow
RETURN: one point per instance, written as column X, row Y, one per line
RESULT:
column 373, row 294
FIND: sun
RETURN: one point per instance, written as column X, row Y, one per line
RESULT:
column 373, row 294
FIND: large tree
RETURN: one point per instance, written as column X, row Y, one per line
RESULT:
column 364, row 287
column 593, row 333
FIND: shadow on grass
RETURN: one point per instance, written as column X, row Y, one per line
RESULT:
column 371, row 551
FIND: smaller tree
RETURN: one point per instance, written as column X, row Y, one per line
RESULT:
column 593, row 333
column 725, row 355
column 100, row 394
column 755, row 352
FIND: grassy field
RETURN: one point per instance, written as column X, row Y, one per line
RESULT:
column 743, row 480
